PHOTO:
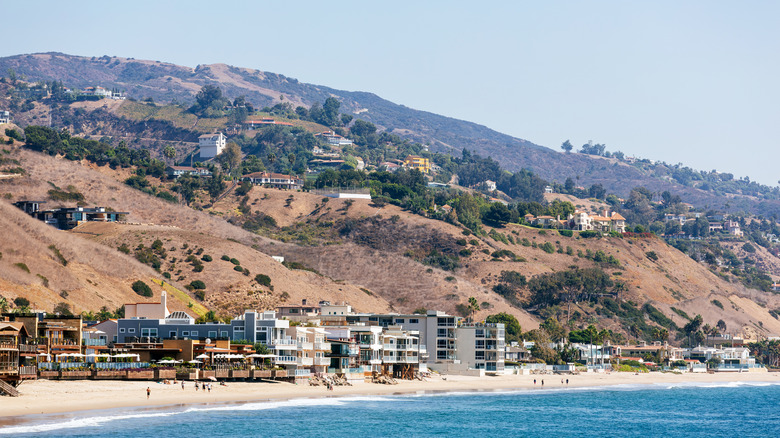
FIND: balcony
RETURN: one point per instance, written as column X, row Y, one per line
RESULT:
column 285, row 360
column 410, row 359
column 389, row 347
column 24, row 348
column 319, row 361
column 423, row 349
column 322, row 346
column 376, row 346
column 389, row 359
column 375, row 362
column 95, row 342
column 7, row 346
column 305, row 361
column 305, row 346
column 284, row 343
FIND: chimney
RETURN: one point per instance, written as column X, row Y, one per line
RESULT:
column 303, row 302
column 605, row 213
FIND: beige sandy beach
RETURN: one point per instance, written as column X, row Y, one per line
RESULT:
column 47, row 397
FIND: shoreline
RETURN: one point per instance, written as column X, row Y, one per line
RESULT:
column 45, row 399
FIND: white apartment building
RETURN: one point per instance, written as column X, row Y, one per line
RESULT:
column 211, row 145
column 481, row 346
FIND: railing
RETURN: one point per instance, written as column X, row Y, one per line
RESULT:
column 305, row 361
column 412, row 359
column 321, row 361
column 9, row 368
column 388, row 346
column 97, row 365
column 286, row 360
column 120, row 365
column 389, row 359
column 287, row 342
column 23, row 348
column 305, row 346
column 64, row 342
column 302, row 373
column 28, row 370
column 324, row 346
column 8, row 345
column 95, row 342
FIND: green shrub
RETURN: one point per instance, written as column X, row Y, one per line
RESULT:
column 124, row 248
column 235, row 262
column 461, row 242
column 206, row 258
column 59, row 255
column 21, row 302
column 225, row 258
column 263, row 280
column 23, row 267
column 198, row 284
column 717, row 303
column 474, row 242
column 652, row 255
column 589, row 234
column 238, row 268
column 200, row 294
column 547, row 247
column 142, row 289
column 464, row 252
column 566, row 233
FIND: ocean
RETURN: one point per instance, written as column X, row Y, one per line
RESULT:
column 744, row 409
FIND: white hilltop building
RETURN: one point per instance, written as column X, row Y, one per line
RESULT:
column 211, row 145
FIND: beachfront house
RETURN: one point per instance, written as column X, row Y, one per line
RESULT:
column 481, row 346
column 17, row 359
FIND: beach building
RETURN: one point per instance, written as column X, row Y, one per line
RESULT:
column 211, row 145
column 299, row 313
column 17, row 359
column 481, row 346
column 400, row 352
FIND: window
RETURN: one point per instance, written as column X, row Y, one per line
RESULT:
column 213, row 334
column 399, row 321
column 480, row 343
column 224, row 334
column 194, row 333
column 131, row 330
column 441, row 333
column 185, row 333
column 122, row 330
column 414, row 321
column 292, row 311
column 152, row 332
column 172, row 333
column 479, row 355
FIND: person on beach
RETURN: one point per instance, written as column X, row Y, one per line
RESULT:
column 567, row 382
column 542, row 382
column 204, row 386
column 182, row 385
column 534, row 382
column 209, row 388
column 148, row 392
column 196, row 386
column 561, row 381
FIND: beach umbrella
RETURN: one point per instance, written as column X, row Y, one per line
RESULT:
column 194, row 361
column 202, row 356
column 212, row 378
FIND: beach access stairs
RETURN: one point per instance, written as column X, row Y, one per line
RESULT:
column 8, row 389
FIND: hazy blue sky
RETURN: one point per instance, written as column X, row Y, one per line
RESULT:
column 695, row 82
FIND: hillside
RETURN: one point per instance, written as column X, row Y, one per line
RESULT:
column 164, row 82
column 150, row 218
column 379, row 248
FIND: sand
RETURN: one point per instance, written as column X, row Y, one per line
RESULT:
column 48, row 397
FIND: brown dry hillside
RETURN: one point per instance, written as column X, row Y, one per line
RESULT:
column 228, row 291
column 372, row 254
column 87, row 277
column 151, row 218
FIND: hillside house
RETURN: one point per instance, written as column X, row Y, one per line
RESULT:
column 97, row 91
column 274, row 180
column 211, row 145
column 332, row 138
column 582, row 221
column 679, row 218
column 775, row 287
column 251, row 124
column 733, row 228
column 5, row 117
column 420, row 163
column 716, row 226
column 68, row 218
column 389, row 166
column 174, row 172
column 490, row 185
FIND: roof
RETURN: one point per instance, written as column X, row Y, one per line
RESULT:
column 187, row 168
column 210, row 135
column 269, row 175
column 618, row 217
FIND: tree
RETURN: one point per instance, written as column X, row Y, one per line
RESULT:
column 21, row 302
column 63, row 309
column 567, row 146
column 721, row 325
column 554, row 330
column 169, row 152
column 230, row 157
column 209, row 96
column 498, row 214
column 142, row 288
column 3, row 305
column 473, row 306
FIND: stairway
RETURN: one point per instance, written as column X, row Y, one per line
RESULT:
column 8, row 389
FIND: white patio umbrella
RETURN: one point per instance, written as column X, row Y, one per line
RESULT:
column 194, row 361
column 202, row 356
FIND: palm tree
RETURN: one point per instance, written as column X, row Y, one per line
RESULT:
column 170, row 153
column 3, row 304
column 473, row 307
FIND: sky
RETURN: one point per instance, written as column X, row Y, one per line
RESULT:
column 692, row 82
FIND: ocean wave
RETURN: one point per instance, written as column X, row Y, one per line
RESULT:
column 292, row 403
column 77, row 423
